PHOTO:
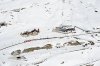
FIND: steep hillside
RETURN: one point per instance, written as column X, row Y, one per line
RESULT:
column 49, row 32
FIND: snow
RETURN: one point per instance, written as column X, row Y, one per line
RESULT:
column 46, row 15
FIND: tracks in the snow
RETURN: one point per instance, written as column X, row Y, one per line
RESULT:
column 36, row 40
column 40, row 39
column 89, row 63
column 62, row 52
column 48, row 39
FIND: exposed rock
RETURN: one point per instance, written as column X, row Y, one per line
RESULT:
column 17, row 52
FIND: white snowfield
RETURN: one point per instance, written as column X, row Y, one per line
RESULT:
column 48, row 47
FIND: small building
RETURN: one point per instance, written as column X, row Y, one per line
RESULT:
column 65, row 29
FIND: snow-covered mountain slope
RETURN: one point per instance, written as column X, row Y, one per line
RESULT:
column 49, row 32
